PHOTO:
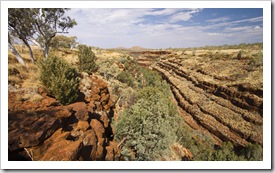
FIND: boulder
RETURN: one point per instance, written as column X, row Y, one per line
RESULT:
column 57, row 148
column 49, row 101
column 81, row 110
column 82, row 125
column 89, row 150
column 98, row 127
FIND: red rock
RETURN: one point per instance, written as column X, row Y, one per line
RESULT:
column 61, row 112
column 60, row 149
column 98, row 106
column 30, row 131
column 89, row 151
column 105, row 120
column 105, row 97
column 48, row 101
column 82, row 125
column 100, row 152
column 42, row 91
column 91, row 107
column 81, row 111
column 111, row 152
column 98, row 128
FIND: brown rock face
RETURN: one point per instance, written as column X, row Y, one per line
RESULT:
column 30, row 131
column 56, row 148
column 47, row 131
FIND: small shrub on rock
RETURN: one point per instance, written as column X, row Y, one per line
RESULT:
column 60, row 79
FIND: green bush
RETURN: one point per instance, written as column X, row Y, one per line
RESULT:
column 253, row 152
column 61, row 41
column 256, row 61
column 86, row 59
column 127, row 78
column 60, row 79
column 240, row 54
column 148, row 127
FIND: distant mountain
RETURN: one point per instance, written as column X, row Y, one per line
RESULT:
column 137, row 48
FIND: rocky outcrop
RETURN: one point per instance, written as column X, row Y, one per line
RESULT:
column 147, row 58
column 226, row 112
column 47, row 131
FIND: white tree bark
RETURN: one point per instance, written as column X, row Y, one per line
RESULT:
column 36, row 43
column 15, row 52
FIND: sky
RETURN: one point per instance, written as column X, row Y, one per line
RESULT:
column 166, row 28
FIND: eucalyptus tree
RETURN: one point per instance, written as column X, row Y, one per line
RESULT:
column 20, row 25
column 47, row 23
column 38, row 25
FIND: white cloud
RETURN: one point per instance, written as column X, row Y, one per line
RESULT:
column 183, row 16
column 257, row 27
column 155, row 28
column 255, row 19
column 166, row 11
column 238, row 29
column 220, row 19
column 218, row 34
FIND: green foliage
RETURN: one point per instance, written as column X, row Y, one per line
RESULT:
column 253, row 152
column 189, row 138
column 86, row 59
column 148, row 127
column 140, row 77
column 61, row 41
column 127, row 78
column 152, row 78
column 256, row 61
column 240, row 54
column 60, row 79
column 225, row 153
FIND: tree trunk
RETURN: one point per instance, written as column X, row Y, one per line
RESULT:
column 30, row 50
column 31, row 53
column 46, row 51
column 47, row 46
column 36, row 43
column 15, row 52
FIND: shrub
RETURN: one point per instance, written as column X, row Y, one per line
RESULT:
column 86, row 59
column 253, row 152
column 225, row 153
column 256, row 61
column 148, row 127
column 60, row 79
column 240, row 54
column 127, row 78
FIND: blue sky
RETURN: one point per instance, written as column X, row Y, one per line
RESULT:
column 163, row 28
